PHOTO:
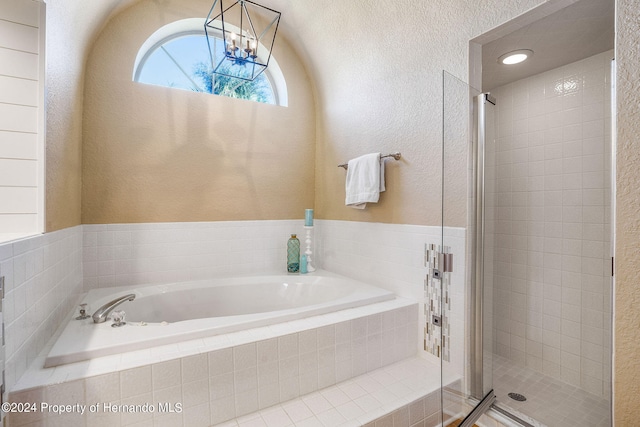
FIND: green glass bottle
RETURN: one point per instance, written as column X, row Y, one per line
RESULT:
column 293, row 254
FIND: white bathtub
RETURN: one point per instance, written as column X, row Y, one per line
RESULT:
column 171, row 313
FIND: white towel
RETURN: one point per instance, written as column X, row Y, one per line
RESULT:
column 365, row 180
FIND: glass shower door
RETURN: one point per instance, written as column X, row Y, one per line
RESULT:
column 465, row 341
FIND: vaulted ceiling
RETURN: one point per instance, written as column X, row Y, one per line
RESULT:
column 81, row 22
column 584, row 28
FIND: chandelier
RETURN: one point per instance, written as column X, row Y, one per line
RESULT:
column 240, row 37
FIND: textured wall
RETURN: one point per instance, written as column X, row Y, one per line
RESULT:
column 368, row 101
column 71, row 27
column 377, row 66
column 155, row 154
column 65, row 68
column 627, row 299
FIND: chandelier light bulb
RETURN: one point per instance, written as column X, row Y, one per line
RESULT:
column 240, row 57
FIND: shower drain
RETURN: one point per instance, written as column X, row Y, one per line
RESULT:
column 517, row 396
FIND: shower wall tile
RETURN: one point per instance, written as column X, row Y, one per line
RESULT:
column 551, row 219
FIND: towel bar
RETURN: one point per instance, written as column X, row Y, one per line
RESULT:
column 394, row 155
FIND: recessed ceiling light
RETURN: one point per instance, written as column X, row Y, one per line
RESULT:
column 515, row 57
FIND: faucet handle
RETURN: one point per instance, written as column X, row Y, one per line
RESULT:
column 118, row 318
column 83, row 312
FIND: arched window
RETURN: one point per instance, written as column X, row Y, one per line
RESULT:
column 177, row 56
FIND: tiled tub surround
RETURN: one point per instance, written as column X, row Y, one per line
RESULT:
column 227, row 376
column 116, row 378
column 552, row 280
column 390, row 256
column 43, row 279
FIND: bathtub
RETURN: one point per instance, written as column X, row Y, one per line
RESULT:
column 176, row 312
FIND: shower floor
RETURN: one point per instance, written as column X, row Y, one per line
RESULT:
column 549, row 401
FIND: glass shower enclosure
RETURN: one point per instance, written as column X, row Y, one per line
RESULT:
column 467, row 389
column 525, row 314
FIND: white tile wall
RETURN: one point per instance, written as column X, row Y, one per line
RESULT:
column 551, row 211
column 21, row 117
column 43, row 278
column 391, row 256
column 133, row 254
column 386, row 255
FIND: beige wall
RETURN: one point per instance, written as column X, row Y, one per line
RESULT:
column 627, row 292
column 64, row 79
column 71, row 28
column 377, row 66
column 155, row 154
column 148, row 160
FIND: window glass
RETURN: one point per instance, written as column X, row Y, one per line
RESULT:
column 183, row 62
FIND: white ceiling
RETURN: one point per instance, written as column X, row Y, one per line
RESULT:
column 580, row 30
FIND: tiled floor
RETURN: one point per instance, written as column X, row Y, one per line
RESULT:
column 354, row 402
column 549, row 401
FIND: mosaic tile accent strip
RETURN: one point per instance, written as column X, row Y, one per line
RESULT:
column 437, row 300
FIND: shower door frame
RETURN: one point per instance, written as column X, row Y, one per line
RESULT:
column 476, row 264
column 473, row 403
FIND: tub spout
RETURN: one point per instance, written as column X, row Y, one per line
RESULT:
column 102, row 313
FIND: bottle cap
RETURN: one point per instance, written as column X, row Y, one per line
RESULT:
column 293, row 236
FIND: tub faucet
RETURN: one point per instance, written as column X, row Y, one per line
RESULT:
column 102, row 314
